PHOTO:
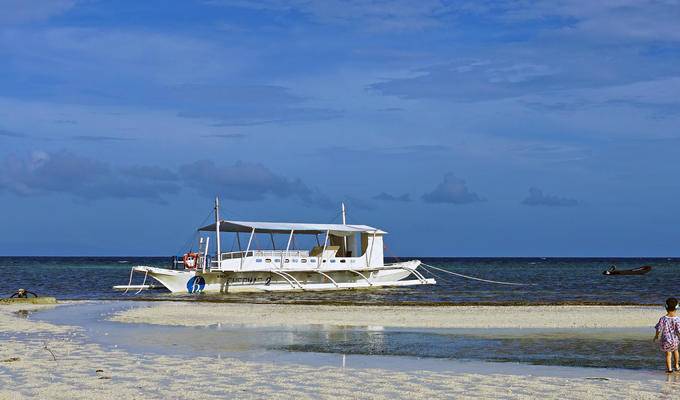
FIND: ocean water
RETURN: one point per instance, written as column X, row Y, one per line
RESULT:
column 553, row 281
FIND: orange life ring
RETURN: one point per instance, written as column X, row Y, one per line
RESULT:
column 190, row 260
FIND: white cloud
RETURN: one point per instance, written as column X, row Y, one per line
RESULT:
column 604, row 20
column 373, row 15
column 23, row 11
column 102, row 55
column 473, row 80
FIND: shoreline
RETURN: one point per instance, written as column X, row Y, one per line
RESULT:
column 367, row 303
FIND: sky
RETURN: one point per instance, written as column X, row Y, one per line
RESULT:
column 463, row 128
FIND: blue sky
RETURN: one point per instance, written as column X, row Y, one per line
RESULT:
column 467, row 128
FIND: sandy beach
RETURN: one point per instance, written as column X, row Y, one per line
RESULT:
column 188, row 314
column 43, row 360
column 339, row 199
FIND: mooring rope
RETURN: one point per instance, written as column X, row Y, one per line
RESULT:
column 425, row 266
column 439, row 277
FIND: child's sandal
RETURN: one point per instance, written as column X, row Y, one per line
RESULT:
column 669, row 371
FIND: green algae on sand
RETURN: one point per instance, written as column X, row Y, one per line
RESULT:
column 30, row 300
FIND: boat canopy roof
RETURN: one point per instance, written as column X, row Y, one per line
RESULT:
column 286, row 227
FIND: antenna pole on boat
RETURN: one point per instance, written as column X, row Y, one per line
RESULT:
column 344, row 222
column 217, row 229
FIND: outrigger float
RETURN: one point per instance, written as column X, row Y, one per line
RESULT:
column 350, row 257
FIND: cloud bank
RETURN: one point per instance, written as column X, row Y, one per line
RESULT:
column 383, row 196
column 452, row 190
column 538, row 198
column 67, row 173
column 64, row 172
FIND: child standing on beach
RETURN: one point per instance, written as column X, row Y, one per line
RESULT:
column 668, row 328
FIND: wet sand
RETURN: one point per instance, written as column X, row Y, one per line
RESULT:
column 188, row 314
column 82, row 369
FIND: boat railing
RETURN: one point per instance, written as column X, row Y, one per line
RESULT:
column 265, row 253
column 236, row 254
column 279, row 253
column 294, row 260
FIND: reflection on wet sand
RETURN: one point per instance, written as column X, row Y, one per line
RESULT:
column 626, row 348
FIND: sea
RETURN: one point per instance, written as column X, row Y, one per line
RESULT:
column 547, row 281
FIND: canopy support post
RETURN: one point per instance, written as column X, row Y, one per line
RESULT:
column 205, row 255
column 370, row 255
column 325, row 242
column 238, row 240
column 290, row 238
column 252, row 233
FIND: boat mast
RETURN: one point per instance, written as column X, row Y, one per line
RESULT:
column 344, row 222
column 217, row 229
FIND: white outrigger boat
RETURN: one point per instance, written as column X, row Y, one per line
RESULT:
column 350, row 257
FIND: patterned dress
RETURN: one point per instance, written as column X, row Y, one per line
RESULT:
column 669, row 332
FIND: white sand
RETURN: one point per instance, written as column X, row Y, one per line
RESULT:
column 129, row 376
column 204, row 314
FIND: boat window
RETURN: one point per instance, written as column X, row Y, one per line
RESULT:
column 287, row 260
column 277, row 260
column 295, row 260
column 313, row 260
column 332, row 261
column 325, row 260
column 268, row 260
column 258, row 260
column 342, row 261
column 304, row 260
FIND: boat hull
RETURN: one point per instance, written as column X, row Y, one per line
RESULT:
column 273, row 281
column 636, row 271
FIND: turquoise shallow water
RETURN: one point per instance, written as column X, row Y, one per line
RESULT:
column 555, row 280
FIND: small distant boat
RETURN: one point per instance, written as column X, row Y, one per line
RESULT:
column 635, row 271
